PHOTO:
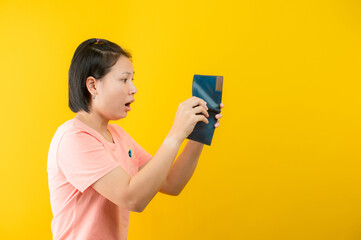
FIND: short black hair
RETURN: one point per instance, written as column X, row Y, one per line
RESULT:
column 93, row 57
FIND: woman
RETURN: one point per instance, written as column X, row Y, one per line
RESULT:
column 97, row 172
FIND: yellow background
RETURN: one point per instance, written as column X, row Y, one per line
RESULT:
column 285, row 162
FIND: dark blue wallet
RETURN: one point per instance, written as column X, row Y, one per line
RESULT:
column 209, row 88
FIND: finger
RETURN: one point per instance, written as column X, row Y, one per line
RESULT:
column 189, row 101
column 217, row 124
column 202, row 118
column 198, row 101
column 222, row 105
column 200, row 109
column 219, row 116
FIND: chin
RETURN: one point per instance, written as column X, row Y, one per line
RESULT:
column 122, row 115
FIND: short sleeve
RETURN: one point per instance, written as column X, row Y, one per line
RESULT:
column 83, row 159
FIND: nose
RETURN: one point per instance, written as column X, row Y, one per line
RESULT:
column 132, row 89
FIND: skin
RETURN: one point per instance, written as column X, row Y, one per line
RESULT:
column 160, row 174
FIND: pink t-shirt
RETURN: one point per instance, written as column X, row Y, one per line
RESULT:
column 78, row 157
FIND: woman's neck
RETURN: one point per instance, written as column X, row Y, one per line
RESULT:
column 94, row 121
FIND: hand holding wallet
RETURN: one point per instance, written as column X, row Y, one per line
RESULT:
column 208, row 88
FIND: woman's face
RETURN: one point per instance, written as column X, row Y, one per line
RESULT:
column 115, row 90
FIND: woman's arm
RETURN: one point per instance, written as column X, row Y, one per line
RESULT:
column 183, row 169
column 134, row 193
column 185, row 165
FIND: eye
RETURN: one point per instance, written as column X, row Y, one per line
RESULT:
column 124, row 79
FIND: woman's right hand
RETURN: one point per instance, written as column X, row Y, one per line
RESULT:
column 186, row 117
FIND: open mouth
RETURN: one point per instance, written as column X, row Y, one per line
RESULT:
column 128, row 103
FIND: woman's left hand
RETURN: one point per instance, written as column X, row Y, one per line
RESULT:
column 219, row 116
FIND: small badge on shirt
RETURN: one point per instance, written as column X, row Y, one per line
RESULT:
column 130, row 153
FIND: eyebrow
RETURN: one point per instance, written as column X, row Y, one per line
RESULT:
column 127, row 72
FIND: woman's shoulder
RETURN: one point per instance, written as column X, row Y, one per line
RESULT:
column 67, row 126
column 75, row 130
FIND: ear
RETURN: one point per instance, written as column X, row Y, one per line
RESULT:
column 91, row 84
